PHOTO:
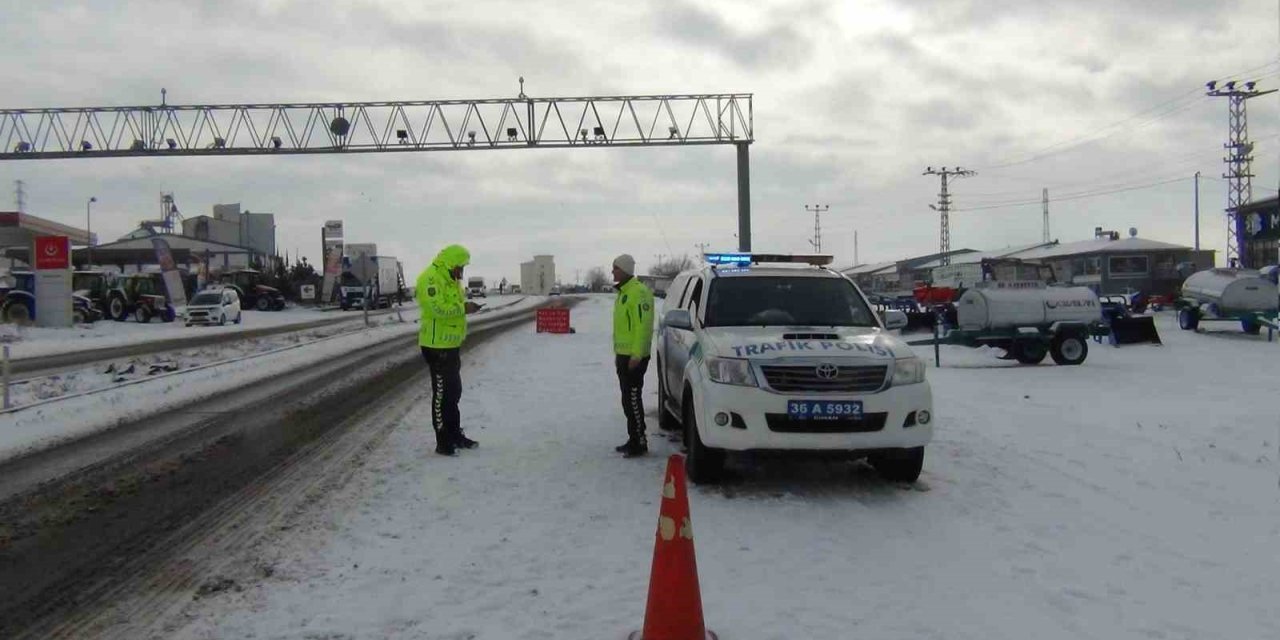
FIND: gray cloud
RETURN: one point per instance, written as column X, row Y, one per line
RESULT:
column 779, row 44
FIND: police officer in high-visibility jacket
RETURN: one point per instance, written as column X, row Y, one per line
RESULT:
column 444, row 327
column 632, row 340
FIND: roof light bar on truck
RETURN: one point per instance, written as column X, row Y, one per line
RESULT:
column 743, row 259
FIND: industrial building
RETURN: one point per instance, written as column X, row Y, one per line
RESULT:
column 230, row 226
column 538, row 276
column 899, row 276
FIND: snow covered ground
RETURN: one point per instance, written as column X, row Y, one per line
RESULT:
column 29, row 342
column 78, row 403
column 1135, row 496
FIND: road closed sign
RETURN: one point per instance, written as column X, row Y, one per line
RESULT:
column 52, row 252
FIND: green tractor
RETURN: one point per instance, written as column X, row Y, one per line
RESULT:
column 141, row 296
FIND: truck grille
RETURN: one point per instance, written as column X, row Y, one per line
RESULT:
column 806, row 378
column 866, row 423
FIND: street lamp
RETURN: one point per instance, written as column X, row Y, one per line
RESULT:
column 88, row 227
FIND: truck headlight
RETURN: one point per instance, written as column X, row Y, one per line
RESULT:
column 731, row 371
column 908, row 371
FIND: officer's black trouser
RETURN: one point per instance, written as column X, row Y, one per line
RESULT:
column 631, row 382
column 446, row 389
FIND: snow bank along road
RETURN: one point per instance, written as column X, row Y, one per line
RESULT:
column 45, row 378
column 1132, row 497
column 105, row 488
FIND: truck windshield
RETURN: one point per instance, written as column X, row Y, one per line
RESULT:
column 786, row 301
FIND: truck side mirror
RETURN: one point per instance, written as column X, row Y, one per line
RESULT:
column 678, row 319
column 895, row 319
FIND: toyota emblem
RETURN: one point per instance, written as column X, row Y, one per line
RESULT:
column 827, row 371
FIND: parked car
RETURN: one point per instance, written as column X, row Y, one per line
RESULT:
column 756, row 356
column 555, row 291
column 214, row 306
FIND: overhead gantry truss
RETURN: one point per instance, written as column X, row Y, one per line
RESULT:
column 364, row 127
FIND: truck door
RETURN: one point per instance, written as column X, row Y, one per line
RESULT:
column 682, row 341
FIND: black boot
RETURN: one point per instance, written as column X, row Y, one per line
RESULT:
column 445, row 444
column 635, row 447
column 463, row 442
column 622, row 448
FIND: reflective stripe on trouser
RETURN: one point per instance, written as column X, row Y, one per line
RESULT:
column 631, row 385
column 446, row 390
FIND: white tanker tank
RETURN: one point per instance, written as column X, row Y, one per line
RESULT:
column 1231, row 291
column 1029, row 306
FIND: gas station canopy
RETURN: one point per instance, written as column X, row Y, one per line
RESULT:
column 20, row 229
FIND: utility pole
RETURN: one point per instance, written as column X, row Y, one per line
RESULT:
column 1238, row 159
column 1197, row 211
column 1044, row 201
column 817, row 210
column 855, row 248
column 21, row 196
column 944, row 209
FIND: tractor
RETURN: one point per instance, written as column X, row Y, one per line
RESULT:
column 254, row 294
column 142, row 296
column 18, row 302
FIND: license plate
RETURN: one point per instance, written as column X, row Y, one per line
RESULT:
column 823, row 409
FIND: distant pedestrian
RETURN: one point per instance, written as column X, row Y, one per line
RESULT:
column 632, row 340
column 444, row 328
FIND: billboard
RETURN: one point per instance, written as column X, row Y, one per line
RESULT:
column 53, row 252
column 331, row 240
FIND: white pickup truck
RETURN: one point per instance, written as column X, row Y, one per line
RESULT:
column 758, row 356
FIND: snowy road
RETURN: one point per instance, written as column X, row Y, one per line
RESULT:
column 1135, row 496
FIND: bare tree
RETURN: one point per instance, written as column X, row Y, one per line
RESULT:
column 671, row 267
column 598, row 279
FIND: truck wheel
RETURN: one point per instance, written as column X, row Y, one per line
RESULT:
column 1188, row 319
column 117, row 309
column 78, row 316
column 142, row 314
column 170, row 314
column 1250, row 327
column 1029, row 352
column 263, row 304
column 899, row 465
column 1069, row 349
column 704, row 464
column 666, row 420
column 222, row 320
column 17, row 312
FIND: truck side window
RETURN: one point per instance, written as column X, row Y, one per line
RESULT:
column 694, row 298
column 684, row 295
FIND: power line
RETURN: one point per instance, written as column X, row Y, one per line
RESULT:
column 1078, row 196
column 1174, row 105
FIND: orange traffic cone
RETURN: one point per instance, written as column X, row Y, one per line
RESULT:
column 674, row 611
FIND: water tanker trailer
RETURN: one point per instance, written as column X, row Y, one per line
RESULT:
column 1029, row 320
column 1228, row 295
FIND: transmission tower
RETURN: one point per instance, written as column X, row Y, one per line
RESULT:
column 944, row 208
column 817, row 210
column 1238, row 159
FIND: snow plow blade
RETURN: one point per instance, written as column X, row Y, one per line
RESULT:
column 1140, row 330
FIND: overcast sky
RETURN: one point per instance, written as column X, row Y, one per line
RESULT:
column 852, row 101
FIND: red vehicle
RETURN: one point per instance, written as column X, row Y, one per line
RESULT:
column 929, row 295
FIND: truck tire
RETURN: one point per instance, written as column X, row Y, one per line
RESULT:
column 899, row 465
column 1188, row 319
column 142, row 314
column 1029, row 352
column 1250, row 327
column 704, row 464
column 666, row 420
column 79, row 316
column 17, row 312
column 118, row 309
column 262, row 304
column 1069, row 349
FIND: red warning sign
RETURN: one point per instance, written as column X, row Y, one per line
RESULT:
column 53, row 252
column 553, row 320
